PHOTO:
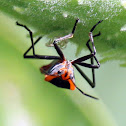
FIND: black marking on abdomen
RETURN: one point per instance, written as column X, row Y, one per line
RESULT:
column 60, row 83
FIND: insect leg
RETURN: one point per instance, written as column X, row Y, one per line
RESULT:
column 69, row 35
column 87, row 43
column 88, row 56
column 82, row 58
column 91, row 37
column 64, row 38
column 95, row 25
column 92, row 40
column 92, row 59
column 34, row 56
column 31, row 36
column 85, row 93
column 88, row 65
column 84, row 76
column 79, row 62
column 25, row 54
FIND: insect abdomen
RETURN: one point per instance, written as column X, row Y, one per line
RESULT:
column 60, row 83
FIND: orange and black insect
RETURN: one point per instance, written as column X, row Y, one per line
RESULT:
column 60, row 72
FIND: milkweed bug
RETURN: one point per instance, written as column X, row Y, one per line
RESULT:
column 60, row 71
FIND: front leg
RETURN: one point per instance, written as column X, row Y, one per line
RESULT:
column 64, row 38
column 34, row 56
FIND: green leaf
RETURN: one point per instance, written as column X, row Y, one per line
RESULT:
column 38, row 102
column 56, row 18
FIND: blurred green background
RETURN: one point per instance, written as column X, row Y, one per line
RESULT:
column 26, row 99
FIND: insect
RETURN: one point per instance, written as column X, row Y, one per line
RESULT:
column 60, row 71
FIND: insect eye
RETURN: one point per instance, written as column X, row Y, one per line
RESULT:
column 60, row 72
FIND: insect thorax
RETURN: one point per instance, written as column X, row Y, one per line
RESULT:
column 60, row 69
